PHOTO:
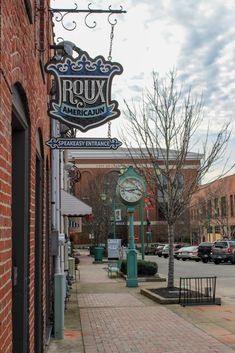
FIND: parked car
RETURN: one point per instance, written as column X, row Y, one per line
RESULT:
column 150, row 249
column 159, row 250
column 176, row 253
column 188, row 253
column 223, row 251
column 165, row 250
column 194, row 255
column 204, row 251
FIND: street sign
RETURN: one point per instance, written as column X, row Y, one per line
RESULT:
column 84, row 143
column 114, row 248
column 118, row 215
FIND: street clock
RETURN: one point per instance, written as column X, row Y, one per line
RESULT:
column 131, row 187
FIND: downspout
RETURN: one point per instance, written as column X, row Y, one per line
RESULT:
column 59, row 276
column 55, row 187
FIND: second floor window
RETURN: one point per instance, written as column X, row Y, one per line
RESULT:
column 223, row 206
column 232, row 205
column 216, row 207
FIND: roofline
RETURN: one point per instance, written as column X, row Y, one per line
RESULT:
column 123, row 153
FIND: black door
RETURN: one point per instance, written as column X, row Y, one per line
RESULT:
column 20, row 228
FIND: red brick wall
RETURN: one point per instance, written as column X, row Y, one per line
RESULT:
column 224, row 187
column 19, row 63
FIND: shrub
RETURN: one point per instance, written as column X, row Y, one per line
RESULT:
column 144, row 268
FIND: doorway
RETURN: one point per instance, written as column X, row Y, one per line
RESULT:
column 20, row 223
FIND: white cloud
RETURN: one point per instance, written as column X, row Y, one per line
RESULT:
column 195, row 37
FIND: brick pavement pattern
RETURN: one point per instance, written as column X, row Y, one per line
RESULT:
column 107, row 300
column 121, row 323
column 143, row 330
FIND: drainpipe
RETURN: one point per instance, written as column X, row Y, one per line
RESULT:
column 59, row 276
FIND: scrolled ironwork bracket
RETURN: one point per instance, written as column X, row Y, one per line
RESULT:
column 60, row 14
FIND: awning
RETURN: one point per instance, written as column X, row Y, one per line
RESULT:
column 72, row 206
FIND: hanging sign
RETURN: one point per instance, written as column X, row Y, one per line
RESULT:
column 84, row 143
column 83, row 91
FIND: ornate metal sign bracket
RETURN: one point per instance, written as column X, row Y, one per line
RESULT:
column 60, row 14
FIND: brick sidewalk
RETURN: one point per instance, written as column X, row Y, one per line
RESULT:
column 108, row 317
column 143, row 330
column 121, row 322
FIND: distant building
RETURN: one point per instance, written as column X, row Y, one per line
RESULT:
column 212, row 211
column 101, row 169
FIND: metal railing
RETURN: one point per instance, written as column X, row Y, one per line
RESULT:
column 197, row 290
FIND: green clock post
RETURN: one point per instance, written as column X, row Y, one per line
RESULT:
column 131, row 188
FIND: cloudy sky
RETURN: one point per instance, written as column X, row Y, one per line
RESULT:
column 196, row 37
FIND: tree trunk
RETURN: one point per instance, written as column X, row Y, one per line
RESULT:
column 171, row 256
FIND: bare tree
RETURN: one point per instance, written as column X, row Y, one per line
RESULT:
column 161, row 132
column 101, row 195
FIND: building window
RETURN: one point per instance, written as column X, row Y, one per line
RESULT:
column 223, row 206
column 216, row 206
column 28, row 7
column 217, row 229
column 210, row 229
column 232, row 231
column 231, row 205
column 209, row 209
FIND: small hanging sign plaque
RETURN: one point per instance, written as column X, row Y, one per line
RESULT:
column 83, row 91
column 84, row 143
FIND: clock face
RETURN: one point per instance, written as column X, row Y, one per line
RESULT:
column 131, row 190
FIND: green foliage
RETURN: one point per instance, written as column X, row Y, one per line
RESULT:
column 145, row 268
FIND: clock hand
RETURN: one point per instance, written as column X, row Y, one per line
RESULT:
column 131, row 189
column 134, row 191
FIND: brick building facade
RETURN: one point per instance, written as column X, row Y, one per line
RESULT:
column 101, row 169
column 25, row 306
column 212, row 211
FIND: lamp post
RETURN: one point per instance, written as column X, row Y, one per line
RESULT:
column 142, row 226
column 114, row 218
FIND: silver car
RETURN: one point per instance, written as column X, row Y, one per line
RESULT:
column 188, row 253
column 165, row 251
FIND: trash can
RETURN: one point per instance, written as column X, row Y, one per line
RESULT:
column 98, row 253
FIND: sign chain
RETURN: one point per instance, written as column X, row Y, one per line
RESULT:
column 110, row 59
column 111, row 42
column 109, row 129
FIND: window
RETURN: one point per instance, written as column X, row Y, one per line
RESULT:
column 223, row 206
column 209, row 229
column 232, row 230
column 178, row 181
column 209, row 209
column 203, row 213
column 161, row 213
column 231, row 205
column 28, row 7
column 221, row 244
column 216, row 206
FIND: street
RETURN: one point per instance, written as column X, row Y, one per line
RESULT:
column 225, row 273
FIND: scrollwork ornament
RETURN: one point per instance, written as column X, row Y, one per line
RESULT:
column 60, row 15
